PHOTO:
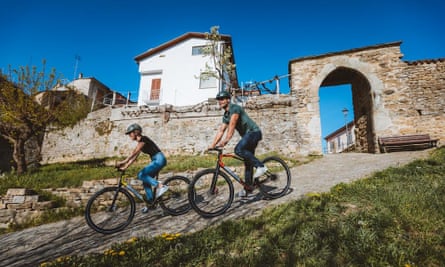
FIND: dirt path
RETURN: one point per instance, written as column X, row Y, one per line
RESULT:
column 32, row 246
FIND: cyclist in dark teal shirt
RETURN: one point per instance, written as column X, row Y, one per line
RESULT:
column 244, row 124
column 235, row 118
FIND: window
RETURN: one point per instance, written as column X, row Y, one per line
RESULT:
column 155, row 89
column 198, row 50
column 206, row 80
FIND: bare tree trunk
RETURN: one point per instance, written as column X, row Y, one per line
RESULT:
column 20, row 156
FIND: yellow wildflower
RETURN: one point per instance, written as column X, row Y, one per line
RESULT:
column 131, row 240
column 169, row 237
column 109, row 252
column 313, row 194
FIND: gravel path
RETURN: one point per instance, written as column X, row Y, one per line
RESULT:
column 32, row 246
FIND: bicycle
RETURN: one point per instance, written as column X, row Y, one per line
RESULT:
column 112, row 208
column 211, row 191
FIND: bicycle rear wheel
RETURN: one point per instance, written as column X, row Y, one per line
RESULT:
column 210, row 195
column 110, row 210
column 175, row 200
column 276, row 181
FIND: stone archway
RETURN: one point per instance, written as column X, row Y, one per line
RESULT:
column 391, row 97
column 309, row 74
column 362, row 105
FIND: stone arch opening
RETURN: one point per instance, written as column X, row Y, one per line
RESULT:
column 362, row 105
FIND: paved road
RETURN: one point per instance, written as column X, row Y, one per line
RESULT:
column 32, row 246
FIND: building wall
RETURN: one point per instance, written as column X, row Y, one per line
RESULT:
column 84, row 86
column 391, row 97
column 179, row 71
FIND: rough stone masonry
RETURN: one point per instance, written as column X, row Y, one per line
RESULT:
column 390, row 97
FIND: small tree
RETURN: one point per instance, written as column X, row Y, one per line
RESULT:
column 22, row 117
column 220, row 53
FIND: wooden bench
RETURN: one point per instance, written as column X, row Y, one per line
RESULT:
column 406, row 142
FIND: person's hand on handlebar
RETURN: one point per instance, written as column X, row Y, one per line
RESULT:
column 121, row 166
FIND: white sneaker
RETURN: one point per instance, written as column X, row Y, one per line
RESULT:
column 145, row 209
column 260, row 171
column 161, row 191
column 242, row 193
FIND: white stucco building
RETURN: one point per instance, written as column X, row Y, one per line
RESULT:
column 170, row 73
column 99, row 94
column 341, row 139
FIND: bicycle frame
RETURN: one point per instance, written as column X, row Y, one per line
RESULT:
column 123, row 182
column 221, row 165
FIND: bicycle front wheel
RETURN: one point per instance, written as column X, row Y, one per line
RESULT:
column 175, row 200
column 210, row 195
column 276, row 181
column 110, row 210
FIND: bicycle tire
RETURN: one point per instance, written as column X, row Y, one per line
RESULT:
column 210, row 204
column 175, row 200
column 110, row 210
column 276, row 181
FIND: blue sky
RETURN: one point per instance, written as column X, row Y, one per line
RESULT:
column 108, row 34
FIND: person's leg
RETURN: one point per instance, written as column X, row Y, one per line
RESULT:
column 147, row 174
column 246, row 149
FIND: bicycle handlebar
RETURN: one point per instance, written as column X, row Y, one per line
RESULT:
column 119, row 169
column 216, row 148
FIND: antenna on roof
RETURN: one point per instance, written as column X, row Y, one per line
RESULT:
column 76, row 63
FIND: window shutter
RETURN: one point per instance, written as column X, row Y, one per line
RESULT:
column 155, row 89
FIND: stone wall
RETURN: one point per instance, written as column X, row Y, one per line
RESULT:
column 177, row 130
column 20, row 205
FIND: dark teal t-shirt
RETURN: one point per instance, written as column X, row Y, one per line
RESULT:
column 244, row 124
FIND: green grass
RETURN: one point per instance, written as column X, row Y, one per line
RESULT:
column 395, row 217
column 73, row 174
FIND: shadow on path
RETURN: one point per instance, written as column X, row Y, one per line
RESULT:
column 33, row 246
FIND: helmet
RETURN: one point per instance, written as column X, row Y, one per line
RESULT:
column 222, row 95
column 133, row 127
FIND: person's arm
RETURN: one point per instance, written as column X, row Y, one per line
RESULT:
column 130, row 159
column 231, row 129
column 222, row 128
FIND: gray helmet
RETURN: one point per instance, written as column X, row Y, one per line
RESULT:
column 222, row 95
column 133, row 127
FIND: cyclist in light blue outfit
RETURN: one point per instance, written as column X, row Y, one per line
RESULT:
column 147, row 174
